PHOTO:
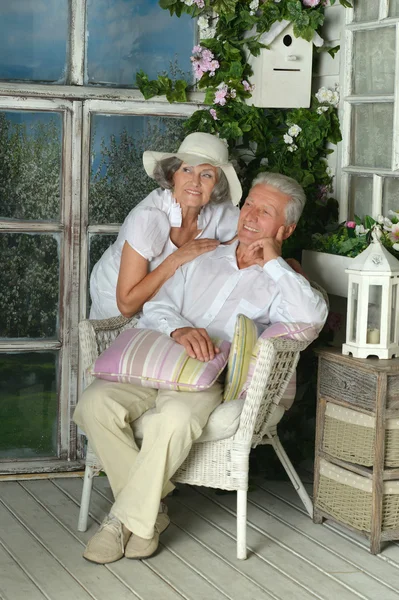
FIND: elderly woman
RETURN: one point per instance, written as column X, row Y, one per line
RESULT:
column 192, row 211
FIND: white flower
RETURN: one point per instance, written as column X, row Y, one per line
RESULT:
column 334, row 99
column 359, row 230
column 287, row 138
column 202, row 22
column 292, row 148
column 264, row 162
column 233, row 93
column 395, row 246
column 324, row 95
column 208, row 33
column 188, row 2
column 329, row 171
column 321, row 109
column 294, row 130
column 380, row 219
column 254, row 5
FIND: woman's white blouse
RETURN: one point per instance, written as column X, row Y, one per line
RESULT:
column 147, row 229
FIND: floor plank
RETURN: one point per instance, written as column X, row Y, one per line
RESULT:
column 276, row 544
column 353, row 549
column 44, row 569
column 289, row 557
column 13, row 578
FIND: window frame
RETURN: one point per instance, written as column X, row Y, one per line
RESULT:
column 350, row 99
column 78, row 103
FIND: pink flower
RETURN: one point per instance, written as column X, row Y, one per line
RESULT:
column 220, row 97
column 213, row 113
column 203, row 62
column 310, row 3
column 221, row 94
column 394, row 233
column 350, row 224
column 247, row 86
column 199, row 3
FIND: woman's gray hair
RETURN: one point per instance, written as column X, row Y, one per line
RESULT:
column 166, row 168
column 288, row 186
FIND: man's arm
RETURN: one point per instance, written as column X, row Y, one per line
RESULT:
column 296, row 300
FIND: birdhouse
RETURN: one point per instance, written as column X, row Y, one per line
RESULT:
column 283, row 71
column 373, row 302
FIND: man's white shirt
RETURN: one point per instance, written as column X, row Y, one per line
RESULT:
column 211, row 291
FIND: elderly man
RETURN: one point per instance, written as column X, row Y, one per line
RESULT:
column 201, row 300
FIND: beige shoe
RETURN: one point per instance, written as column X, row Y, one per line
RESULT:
column 138, row 547
column 108, row 544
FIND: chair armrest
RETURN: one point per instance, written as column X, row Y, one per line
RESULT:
column 276, row 362
column 96, row 335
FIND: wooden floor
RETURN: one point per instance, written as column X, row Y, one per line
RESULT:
column 290, row 558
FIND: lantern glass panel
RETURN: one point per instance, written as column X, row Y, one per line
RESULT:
column 355, row 306
column 394, row 308
column 374, row 314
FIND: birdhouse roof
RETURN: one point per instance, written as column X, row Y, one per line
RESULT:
column 269, row 36
column 376, row 260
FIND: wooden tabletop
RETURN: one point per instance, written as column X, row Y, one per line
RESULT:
column 380, row 365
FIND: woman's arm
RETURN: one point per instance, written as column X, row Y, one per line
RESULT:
column 136, row 285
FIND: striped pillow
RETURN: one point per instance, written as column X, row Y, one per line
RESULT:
column 294, row 331
column 152, row 359
column 244, row 340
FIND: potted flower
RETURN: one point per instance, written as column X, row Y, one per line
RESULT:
column 332, row 252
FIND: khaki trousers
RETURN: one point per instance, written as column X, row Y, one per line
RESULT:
column 140, row 478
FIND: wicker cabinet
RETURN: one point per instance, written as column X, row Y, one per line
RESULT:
column 357, row 445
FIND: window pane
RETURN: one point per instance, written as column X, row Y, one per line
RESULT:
column 372, row 126
column 390, row 195
column 374, row 61
column 355, row 304
column 118, row 180
column 28, row 405
column 366, row 10
column 394, row 308
column 125, row 36
column 30, row 165
column 394, row 8
column 33, row 39
column 29, row 285
column 360, row 196
column 374, row 314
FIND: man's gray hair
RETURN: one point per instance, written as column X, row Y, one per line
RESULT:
column 166, row 168
column 288, row 186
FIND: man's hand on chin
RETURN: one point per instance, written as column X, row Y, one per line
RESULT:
column 196, row 342
column 265, row 249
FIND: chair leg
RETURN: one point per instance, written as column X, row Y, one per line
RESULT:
column 292, row 474
column 85, row 501
column 241, row 524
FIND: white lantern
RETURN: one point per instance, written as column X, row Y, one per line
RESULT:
column 373, row 299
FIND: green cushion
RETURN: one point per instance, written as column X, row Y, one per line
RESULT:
column 244, row 340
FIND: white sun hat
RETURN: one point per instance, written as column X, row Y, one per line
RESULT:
column 198, row 149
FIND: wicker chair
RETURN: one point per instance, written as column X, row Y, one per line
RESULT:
column 224, row 463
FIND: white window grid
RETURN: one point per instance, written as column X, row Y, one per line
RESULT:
column 350, row 99
column 77, row 103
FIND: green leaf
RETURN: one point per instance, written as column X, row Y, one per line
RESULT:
column 224, row 7
column 166, row 4
column 209, row 96
column 369, row 222
column 333, row 51
column 345, row 3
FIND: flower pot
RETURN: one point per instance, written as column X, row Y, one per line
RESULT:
column 328, row 270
